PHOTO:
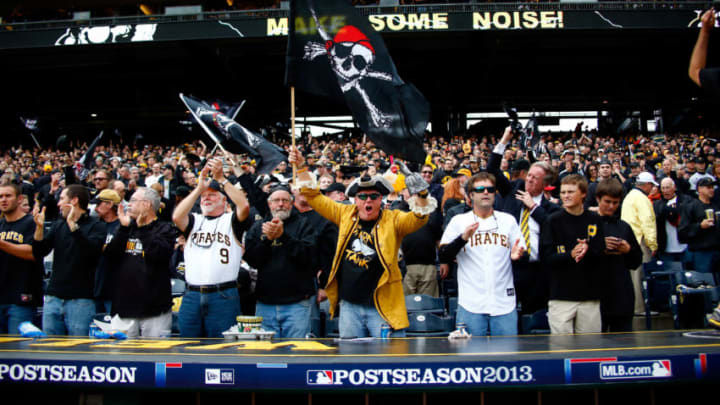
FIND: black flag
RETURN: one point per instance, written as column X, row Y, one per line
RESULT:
column 86, row 162
column 334, row 52
column 234, row 137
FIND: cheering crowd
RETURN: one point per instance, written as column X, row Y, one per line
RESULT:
column 565, row 227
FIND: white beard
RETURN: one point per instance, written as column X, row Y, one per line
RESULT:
column 281, row 214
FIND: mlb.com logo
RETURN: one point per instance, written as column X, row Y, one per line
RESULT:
column 320, row 377
column 219, row 376
column 621, row 370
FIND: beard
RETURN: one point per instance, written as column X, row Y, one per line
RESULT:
column 280, row 213
column 207, row 209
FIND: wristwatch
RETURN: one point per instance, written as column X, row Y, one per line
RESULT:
column 222, row 183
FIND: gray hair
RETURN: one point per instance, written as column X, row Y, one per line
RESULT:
column 152, row 196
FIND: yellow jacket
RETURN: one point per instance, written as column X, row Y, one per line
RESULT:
column 389, row 231
column 637, row 211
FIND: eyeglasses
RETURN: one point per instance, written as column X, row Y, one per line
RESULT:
column 133, row 199
column 426, row 172
column 280, row 200
column 100, row 178
column 372, row 196
column 482, row 189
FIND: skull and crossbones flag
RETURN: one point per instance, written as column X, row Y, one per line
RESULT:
column 334, row 52
column 234, row 137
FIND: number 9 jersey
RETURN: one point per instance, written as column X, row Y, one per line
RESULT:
column 213, row 252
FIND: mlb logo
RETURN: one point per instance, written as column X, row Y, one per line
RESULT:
column 320, row 377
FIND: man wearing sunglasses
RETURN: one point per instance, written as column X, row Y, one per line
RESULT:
column 365, row 279
column 484, row 243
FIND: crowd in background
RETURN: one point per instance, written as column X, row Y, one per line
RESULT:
column 675, row 172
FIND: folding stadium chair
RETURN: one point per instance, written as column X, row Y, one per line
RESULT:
column 657, row 286
column 694, row 296
column 424, row 303
column 429, row 324
column 535, row 324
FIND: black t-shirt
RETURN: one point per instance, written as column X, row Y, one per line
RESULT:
column 360, row 269
column 20, row 280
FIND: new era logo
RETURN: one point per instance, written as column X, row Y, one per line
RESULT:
column 320, row 377
column 219, row 376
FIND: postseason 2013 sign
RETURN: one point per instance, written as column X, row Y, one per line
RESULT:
column 372, row 376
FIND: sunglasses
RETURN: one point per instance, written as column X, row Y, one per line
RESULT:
column 427, row 172
column 372, row 196
column 481, row 189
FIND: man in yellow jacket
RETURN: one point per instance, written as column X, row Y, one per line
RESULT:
column 365, row 280
column 637, row 210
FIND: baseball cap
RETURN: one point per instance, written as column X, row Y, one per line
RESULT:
column 464, row 172
column 334, row 187
column 706, row 182
column 646, row 177
column 108, row 195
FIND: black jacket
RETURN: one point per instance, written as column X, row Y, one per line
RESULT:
column 286, row 266
column 690, row 232
column 570, row 280
column 665, row 213
column 618, row 296
column 140, row 273
column 75, row 256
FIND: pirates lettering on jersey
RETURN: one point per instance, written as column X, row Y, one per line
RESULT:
column 134, row 247
column 208, row 238
column 11, row 236
column 361, row 252
column 488, row 238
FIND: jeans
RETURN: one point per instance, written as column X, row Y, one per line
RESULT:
column 488, row 325
column 357, row 320
column 208, row 314
column 67, row 317
column 705, row 261
column 287, row 321
column 11, row 316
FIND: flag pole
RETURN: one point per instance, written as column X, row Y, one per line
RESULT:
column 292, row 129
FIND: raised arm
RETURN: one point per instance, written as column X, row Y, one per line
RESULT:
column 699, row 53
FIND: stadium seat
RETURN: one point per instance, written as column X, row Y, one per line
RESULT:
column 103, row 317
column 535, row 323
column 177, row 287
column 694, row 294
column 429, row 324
column 657, row 284
column 424, row 303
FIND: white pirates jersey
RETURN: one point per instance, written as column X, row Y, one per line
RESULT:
column 212, row 253
column 485, row 279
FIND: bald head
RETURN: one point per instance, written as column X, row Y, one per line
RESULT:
column 667, row 188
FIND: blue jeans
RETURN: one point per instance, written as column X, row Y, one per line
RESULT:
column 287, row 321
column 705, row 261
column 11, row 316
column 67, row 317
column 358, row 320
column 487, row 325
column 208, row 314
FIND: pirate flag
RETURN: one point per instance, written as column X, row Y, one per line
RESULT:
column 86, row 162
column 335, row 53
column 233, row 137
